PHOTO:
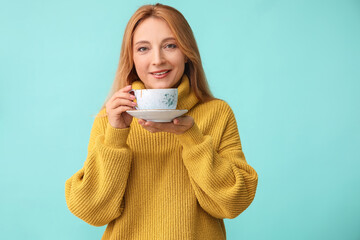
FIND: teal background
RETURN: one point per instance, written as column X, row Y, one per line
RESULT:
column 289, row 69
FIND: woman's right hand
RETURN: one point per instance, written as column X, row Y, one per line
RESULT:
column 117, row 106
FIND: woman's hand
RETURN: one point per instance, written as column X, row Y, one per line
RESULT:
column 117, row 106
column 178, row 125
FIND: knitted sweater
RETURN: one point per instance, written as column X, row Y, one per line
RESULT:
column 161, row 185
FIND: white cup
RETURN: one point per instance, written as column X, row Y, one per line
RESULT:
column 156, row 98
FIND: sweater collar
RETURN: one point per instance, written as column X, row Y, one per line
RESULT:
column 186, row 96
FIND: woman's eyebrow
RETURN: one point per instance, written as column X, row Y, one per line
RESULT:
column 168, row 39
column 147, row 42
column 141, row 42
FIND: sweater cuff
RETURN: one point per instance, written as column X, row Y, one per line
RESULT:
column 115, row 137
column 191, row 137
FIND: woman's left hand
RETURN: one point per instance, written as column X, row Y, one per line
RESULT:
column 177, row 126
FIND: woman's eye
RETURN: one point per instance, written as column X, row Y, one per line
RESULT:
column 142, row 49
column 171, row 46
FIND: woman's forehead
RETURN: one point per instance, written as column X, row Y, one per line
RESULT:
column 154, row 29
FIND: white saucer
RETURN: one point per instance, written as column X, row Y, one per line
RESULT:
column 166, row 115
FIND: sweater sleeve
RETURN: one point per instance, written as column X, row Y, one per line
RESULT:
column 223, row 182
column 95, row 192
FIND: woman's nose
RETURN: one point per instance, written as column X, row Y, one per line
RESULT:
column 158, row 57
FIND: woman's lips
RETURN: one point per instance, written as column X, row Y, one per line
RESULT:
column 160, row 74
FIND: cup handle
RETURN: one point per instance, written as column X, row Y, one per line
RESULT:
column 133, row 91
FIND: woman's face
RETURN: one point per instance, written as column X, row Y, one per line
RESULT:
column 158, row 60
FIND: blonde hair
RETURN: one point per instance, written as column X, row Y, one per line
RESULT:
column 126, row 73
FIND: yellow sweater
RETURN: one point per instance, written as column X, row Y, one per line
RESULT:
column 161, row 185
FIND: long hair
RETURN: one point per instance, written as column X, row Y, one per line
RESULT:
column 126, row 73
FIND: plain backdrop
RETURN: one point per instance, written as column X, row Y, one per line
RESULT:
column 290, row 70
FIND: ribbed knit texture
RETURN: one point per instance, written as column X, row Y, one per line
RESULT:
column 161, row 185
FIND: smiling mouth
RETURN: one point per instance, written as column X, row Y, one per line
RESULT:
column 160, row 73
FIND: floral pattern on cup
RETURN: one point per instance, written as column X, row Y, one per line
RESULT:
column 169, row 99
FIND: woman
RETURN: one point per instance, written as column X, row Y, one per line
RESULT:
column 149, row 180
